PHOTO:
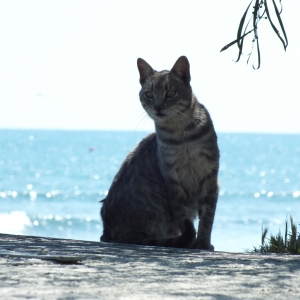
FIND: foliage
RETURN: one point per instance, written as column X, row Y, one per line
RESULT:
column 260, row 11
column 289, row 243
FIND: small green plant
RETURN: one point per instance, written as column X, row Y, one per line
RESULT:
column 289, row 243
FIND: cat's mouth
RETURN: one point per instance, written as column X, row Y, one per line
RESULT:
column 159, row 114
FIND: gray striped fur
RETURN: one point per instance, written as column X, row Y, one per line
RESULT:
column 170, row 178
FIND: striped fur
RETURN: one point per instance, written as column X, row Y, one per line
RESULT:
column 170, row 178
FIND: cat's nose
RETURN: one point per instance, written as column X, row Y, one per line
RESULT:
column 159, row 107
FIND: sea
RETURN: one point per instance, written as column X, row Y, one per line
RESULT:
column 52, row 181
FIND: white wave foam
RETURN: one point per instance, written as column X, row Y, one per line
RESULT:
column 14, row 222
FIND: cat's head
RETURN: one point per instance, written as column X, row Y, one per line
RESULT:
column 165, row 95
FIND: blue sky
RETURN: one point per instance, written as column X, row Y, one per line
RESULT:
column 72, row 64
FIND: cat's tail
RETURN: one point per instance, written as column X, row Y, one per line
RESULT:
column 185, row 240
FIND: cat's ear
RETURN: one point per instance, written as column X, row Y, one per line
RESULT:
column 181, row 69
column 145, row 70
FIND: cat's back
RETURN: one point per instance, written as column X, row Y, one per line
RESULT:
column 139, row 169
column 144, row 154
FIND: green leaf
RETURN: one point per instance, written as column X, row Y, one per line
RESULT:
column 272, row 24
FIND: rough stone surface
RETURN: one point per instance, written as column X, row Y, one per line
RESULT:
column 114, row 271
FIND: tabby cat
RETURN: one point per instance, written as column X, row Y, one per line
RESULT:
column 171, row 175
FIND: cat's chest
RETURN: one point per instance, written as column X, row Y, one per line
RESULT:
column 187, row 164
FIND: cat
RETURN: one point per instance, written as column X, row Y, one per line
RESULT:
column 172, row 175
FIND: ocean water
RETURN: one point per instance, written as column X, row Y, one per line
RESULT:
column 51, row 183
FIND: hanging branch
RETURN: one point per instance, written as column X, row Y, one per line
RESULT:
column 260, row 9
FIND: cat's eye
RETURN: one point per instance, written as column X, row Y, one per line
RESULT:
column 150, row 95
column 170, row 94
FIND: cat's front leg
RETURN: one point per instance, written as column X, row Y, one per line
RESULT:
column 206, row 212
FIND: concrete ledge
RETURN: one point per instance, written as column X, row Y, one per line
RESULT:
column 114, row 271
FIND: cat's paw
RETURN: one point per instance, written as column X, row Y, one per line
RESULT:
column 203, row 246
column 211, row 247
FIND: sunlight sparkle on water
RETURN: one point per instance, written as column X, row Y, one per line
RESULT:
column 296, row 194
column 14, row 222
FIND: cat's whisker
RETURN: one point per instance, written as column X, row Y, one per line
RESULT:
column 139, row 113
column 143, row 119
column 177, row 122
column 181, row 113
column 177, row 118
